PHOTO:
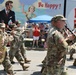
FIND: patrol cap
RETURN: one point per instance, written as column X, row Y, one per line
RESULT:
column 18, row 22
column 58, row 17
column 12, row 25
column 2, row 25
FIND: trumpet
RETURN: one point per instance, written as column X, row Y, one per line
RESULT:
column 71, row 36
column 70, row 31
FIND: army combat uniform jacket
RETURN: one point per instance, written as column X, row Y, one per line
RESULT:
column 56, row 54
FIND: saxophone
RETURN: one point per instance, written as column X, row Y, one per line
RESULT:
column 2, row 49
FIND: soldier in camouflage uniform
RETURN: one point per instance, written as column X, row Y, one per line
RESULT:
column 70, row 39
column 22, row 35
column 6, row 62
column 23, row 50
column 72, row 51
column 57, row 48
column 15, row 50
column 73, row 46
column 74, row 63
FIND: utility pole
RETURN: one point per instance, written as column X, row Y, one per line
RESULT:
column 64, row 12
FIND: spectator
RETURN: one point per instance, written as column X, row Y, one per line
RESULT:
column 41, row 26
column 36, row 34
column 46, row 31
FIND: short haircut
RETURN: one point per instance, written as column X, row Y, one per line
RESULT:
column 7, row 2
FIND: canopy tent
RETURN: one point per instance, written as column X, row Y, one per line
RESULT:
column 41, row 19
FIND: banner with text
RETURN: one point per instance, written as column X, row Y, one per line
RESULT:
column 42, row 7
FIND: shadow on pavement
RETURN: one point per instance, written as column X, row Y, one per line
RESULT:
column 40, row 65
column 2, row 72
column 73, row 67
column 21, row 70
column 36, row 49
column 69, row 59
column 36, row 73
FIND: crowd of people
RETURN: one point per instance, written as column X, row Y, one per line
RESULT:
column 38, row 31
column 58, row 41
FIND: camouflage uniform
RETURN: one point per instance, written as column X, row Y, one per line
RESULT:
column 22, row 35
column 6, row 62
column 15, row 51
column 73, row 46
column 72, row 50
column 74, row 64
column 56, row 54
column 22, row 47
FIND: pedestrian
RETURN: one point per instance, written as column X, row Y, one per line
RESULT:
column 71, row 43
column 36, row 35
column 57, row 48
column 74, row 45
column 22, row 35
column 72, row 51
column 7, row 14
column 22, row 48
column 15, row 50
column 3, row 42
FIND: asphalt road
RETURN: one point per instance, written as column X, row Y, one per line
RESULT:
column 36, row 57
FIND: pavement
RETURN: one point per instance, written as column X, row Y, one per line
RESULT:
column 36, row 57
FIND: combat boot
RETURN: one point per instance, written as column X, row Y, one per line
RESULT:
column 27, row 61
column 64, row 73
column 43, row 61
column 74, row 64
column 10, row 72
column 24, row 67
column 71, row 57
column 12, row 62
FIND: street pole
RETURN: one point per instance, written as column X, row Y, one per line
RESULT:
column 64, row 12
